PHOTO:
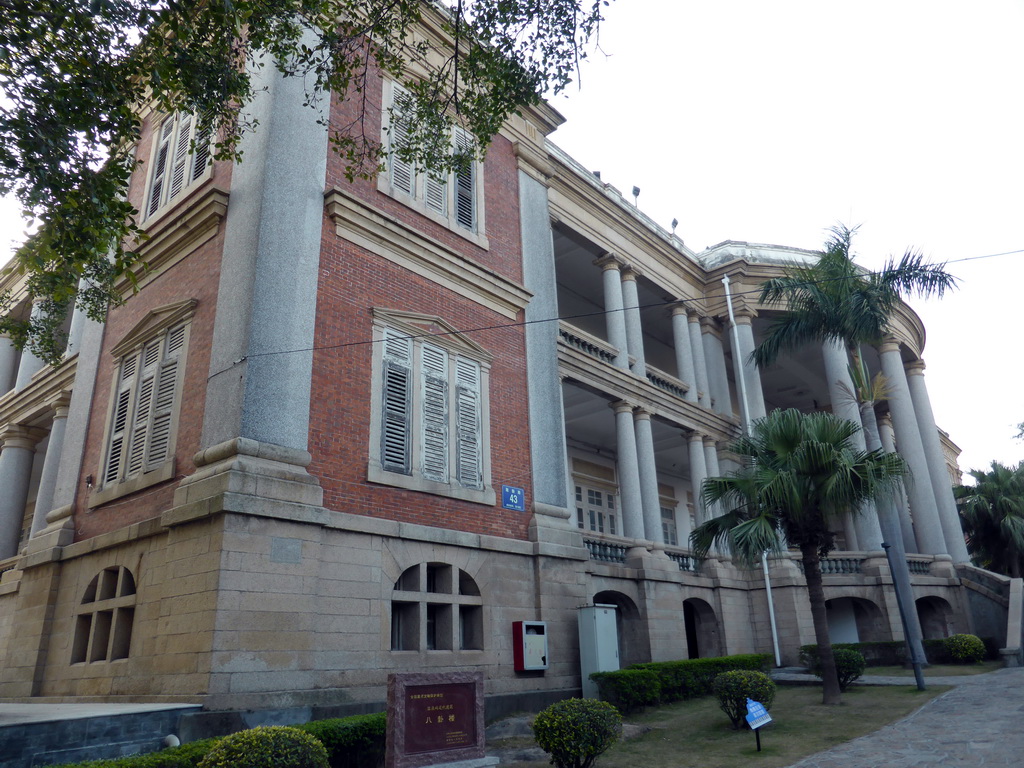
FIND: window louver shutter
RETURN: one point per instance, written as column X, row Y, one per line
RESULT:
column 156, row 188
column 158, row 444
column 465, row 183
column 119, row 429
column 436, row 194
column 468, row 417
column 435, row 413
column 396, row 448
column 143, row 407
column 201, row 157
column 181, row 155
column 402, row 173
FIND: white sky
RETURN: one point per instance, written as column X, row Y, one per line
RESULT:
column 770, row 121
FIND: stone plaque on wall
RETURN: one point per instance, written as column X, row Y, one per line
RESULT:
column 435, row 718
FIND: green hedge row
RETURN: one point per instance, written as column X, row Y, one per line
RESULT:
column 351, row 742
column 882, row 653
column 659, row 682
column 893, row 653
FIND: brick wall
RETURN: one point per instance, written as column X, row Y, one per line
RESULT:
column 354, row 281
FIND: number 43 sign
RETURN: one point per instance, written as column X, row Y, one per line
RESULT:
column 513, row 498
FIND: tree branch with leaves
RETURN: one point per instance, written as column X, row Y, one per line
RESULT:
column 76, row 74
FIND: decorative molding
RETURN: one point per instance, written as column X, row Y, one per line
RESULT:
column 170, row 238
column 153, row 324
column 399, row 243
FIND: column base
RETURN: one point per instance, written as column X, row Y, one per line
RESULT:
column 243, row 475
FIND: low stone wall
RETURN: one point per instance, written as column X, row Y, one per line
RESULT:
column 71, row 740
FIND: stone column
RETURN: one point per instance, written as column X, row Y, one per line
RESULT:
column 746, row 367
column 266, row 299
column 711, row 461
column 700, row 367
column 614, row 316
column 78, row 318
column 887, row 437
column 51, row 463
column 634, row 329
column 867, row 532
column 698, row 474
column 630, row 496
column 927, row 526
column 29, row 362
column 718, row 377
column 942, row 486
column 548, row 455
column 17, row 450
column 651, row 499
column 8, row 364
column 684, row 353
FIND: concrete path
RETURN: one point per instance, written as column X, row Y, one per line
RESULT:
column 978, row 724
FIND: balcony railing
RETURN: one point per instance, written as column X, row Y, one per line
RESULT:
column 587, row 344
column 8, row 564
column 686, row 562
column 669, row 384
column 919, row 567
column 606, row 552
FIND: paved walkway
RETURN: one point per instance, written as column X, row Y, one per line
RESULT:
column 980, row 723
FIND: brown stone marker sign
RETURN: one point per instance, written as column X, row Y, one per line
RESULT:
column 435, row 718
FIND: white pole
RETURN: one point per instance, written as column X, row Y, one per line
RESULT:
column 771, row 609
column 745, row 408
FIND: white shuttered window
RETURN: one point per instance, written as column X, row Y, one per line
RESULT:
column 454, row 198
column 175, row 167
column 431, row 412
column 148, row 388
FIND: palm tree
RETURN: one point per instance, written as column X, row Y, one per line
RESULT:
column 992, row 515
column 835, row 300
column 801, row 472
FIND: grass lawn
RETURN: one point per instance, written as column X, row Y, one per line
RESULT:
column 697, row 734
column 939, row 670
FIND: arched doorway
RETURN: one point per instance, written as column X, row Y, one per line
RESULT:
column 632, row 634
column 936, row 617
column 854, row 620
column 702, row 634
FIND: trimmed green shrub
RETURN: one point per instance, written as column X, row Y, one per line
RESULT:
column 274, row 746
column 735, row 687
column 628, row 689
column 849, row 666
column 965, row 649
column 351, row 742
column 576, row 731
column 186, row 756
column 936, row 651
column 688, row 678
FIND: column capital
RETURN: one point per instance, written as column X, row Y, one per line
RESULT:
column 744, row 315
column 915, row 367
column 60, row 405
column 694, row 436
column 641, row 414
column 609, row 261
column 885, row 420
column 889, row 344
column 629, row 272
column 680, row 307
column 710, row 442
column 20, row 436
column 709, row 324
column 621, row 406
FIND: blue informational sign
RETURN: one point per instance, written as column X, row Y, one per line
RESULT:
column 757, row 715
column 513, row 498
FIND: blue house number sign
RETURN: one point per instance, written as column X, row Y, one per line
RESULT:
column 513, row 498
